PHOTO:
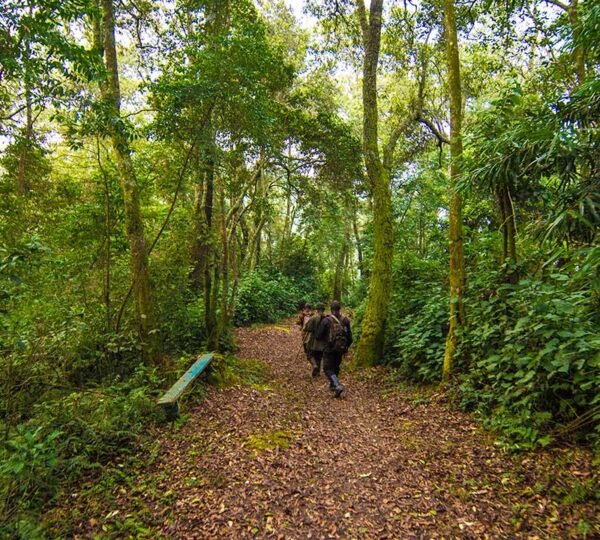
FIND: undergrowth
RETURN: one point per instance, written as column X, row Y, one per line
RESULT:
column 267, row 296
column 80, row 435
column 529, row 360
column 67, row 438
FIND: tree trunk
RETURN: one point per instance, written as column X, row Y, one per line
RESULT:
column 286, row 225
column 133, row 217
column 214, row 331
column 224, row 309
column 509, row 229
column 254, row 246
column 235, row 261
column 578, row 52
column 23, row 185
column 370, row 347
column 341, row 266
column 421, row 233
column 457, row 261
column 210, row 284
column 199, row 250
column 338, row 275
column 107, row 241
column 358, row 242
column 502, row 207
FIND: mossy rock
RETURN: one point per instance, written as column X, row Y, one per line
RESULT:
column 261, row 442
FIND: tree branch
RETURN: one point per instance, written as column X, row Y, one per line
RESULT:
column 364, row 23
column 558, row 3
column 442, row 139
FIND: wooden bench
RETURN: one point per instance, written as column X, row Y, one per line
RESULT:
column 170, row 401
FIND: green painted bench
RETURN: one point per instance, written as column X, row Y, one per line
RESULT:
column 170, row 401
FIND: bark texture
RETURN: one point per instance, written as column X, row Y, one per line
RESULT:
column 133, row 217
column 457, row 261
column 209, row 263
column 370, row 346
column 578, row 52
column 509, row 228
column 358, row 244
column 23, row 185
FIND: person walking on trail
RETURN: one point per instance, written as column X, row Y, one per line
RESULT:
column 336, row 332
column 315, row 346
column 304, row 315
column 303, row 318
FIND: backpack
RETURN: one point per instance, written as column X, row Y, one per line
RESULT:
column 338, row 335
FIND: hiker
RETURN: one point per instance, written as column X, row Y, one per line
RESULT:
column 305, row 314
column 315, row 346
column 303, row 318
column 336, row 332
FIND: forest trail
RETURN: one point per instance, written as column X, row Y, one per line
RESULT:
column 281, row 458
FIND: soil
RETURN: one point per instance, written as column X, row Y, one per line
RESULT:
column 279, row 457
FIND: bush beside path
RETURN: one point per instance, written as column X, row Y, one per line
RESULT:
column 270, row 454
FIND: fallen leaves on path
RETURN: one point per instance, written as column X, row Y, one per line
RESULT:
column 286, row 460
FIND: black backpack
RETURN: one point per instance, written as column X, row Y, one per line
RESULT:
column 338, row 335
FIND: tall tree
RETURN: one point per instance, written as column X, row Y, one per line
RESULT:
column 455, row 232
column 117, row 130
column 371, row 341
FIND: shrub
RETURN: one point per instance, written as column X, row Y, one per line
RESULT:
column 418, row 347
column 534, row 357
column 529, row 355
column 268, row 296
column 66, row 434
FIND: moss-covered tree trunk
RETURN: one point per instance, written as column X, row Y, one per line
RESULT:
column 509, row 229
column 209, row 262
column 358, row 244
column 199, row 233
column 578, row 51
column 340, row 265
column 133, row 216
column 226, row 263
column 370, row 346
column 23, row 184
column 455, row 233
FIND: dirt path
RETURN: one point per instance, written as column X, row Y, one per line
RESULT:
column 280, row 458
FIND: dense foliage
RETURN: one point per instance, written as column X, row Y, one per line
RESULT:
column 204, row 169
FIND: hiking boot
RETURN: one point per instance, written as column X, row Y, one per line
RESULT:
column 336, row 386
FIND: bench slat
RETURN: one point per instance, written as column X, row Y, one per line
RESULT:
column 185, row 380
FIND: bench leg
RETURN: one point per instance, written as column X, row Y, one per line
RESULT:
column 171, row 411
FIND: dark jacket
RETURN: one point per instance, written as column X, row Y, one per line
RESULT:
column 311, row 328
column 323, row 330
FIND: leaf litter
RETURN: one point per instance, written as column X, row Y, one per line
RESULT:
column 287, row 461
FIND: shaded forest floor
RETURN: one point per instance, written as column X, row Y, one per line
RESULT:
column 270, row 454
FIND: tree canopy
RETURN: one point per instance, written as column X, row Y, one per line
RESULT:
column 172, row 170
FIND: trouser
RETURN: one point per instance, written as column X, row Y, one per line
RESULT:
column 331, row 363
column 315, row 358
